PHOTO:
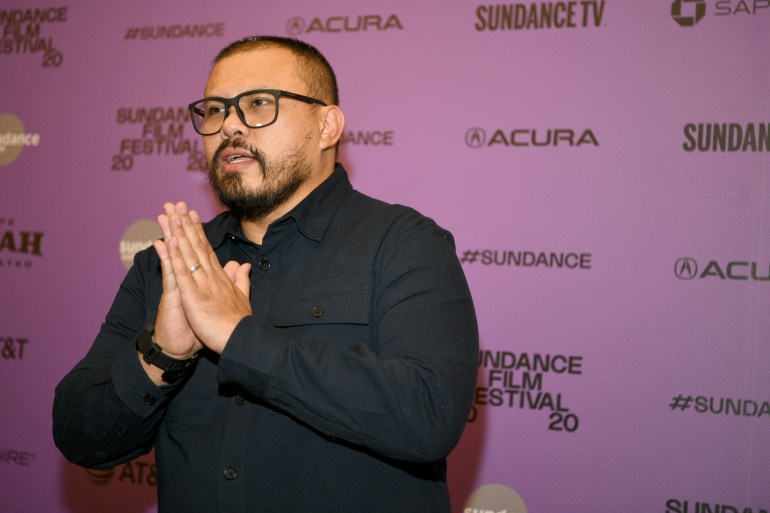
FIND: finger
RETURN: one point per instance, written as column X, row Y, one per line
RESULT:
column 196, row 221
column 169, row 283
column 198, row 241
column 167, row 271
column 165, row 226
column 161, row 249
column 182, row 270
column 164, row 220
column 188, row 256
column 167, row 221
column 230, row 268
column 242, row 280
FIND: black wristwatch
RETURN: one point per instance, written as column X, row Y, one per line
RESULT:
column 153, row 354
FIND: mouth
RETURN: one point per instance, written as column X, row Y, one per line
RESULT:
column 236, row 156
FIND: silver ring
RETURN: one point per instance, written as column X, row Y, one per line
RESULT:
column 195, row 268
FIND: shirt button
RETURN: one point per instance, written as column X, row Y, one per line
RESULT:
column 230, row 474
column 240, row 399
column 317, row 311
column 264, row 264
column 148, row 399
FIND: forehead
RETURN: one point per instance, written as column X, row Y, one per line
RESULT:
column 272, row 67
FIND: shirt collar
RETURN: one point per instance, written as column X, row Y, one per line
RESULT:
column 315, row 212
column 312, row 215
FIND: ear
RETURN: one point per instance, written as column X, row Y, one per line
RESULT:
column 332, row 123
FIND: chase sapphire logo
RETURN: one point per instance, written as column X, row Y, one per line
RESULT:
column 686, row 268
column 695, row 11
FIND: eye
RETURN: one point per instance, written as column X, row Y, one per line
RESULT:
column 257, row 102
column 209, row 109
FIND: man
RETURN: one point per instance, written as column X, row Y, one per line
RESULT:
column 328, row 366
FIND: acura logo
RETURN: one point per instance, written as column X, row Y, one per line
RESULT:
column 475, row 137
column 295, row 26
column 686, row 268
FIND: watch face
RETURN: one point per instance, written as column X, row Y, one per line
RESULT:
column 173, row 375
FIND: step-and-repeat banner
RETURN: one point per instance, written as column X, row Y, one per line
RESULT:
column 603, row 164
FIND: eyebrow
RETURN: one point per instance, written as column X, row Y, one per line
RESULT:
column 250, row 88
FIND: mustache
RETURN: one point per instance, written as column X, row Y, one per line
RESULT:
column 240, row 145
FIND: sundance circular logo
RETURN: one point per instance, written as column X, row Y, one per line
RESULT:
column 13, row 139
column 495, row 498
column 137, row 237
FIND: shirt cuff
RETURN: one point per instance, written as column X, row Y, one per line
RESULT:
column 250, row 354
column 135, row 388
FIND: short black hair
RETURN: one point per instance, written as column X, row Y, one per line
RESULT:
column 312, row 67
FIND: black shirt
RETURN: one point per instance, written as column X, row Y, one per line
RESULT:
column 343, row 391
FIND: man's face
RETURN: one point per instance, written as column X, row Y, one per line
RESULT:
column 255, row 170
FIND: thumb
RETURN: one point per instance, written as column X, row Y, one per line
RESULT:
column 230, row 268
column 242, row 280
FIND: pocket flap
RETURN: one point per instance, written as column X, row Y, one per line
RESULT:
column 340, row 305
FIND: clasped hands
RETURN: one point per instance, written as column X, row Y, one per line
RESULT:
column 202, row 302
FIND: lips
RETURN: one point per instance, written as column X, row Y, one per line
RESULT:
column 235, row 156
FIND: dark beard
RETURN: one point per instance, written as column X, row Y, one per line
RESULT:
column 280, row 181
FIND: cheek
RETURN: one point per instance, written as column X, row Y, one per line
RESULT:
column 272, row 143
column 286, row 140
column 210, row 145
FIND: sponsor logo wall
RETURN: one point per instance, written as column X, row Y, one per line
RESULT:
column 603, row 166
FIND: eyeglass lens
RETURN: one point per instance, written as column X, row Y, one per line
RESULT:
column 258, row 109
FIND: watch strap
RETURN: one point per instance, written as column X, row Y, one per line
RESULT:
column 153, row 354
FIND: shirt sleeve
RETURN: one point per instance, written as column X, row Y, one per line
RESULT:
column 408, row 395
column 106, row 410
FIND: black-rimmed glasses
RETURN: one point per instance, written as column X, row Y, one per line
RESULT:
column 255, row 109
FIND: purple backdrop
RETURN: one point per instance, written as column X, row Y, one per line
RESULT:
column 604, row 166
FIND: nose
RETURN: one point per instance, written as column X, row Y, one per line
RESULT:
column 233, row 126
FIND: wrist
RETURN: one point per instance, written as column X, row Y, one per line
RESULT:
column 191, row 354
column 174, row 367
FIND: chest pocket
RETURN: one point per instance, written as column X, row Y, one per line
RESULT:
column 325, row 311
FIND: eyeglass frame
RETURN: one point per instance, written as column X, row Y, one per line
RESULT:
column 234, row 102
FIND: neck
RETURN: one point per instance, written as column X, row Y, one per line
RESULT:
column 255, row 230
